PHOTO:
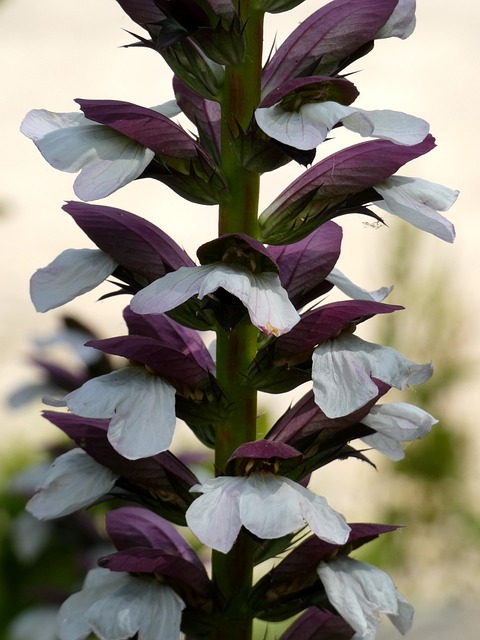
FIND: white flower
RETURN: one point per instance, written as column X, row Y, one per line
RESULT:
column 353, row 291
column 106, row 159
column 269, row 506
column 418, row 201
column 141, row 407
column 71, row 274
column 395, row 423
column 73, row 481
column 267, row 302
column 401, row 23
column 360, row 592
column 115, row 606
column 309, row 126
column 342, row 370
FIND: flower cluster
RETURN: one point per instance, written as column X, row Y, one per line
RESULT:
column 260, row 286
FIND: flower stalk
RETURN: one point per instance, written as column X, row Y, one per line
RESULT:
column 232, row 573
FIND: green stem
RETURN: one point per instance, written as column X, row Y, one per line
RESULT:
column 232, row 572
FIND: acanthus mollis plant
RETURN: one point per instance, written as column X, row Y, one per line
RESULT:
column 261, row 287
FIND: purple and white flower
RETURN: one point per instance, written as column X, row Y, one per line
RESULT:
column 342, row 371
column 262, row 294
column 360, row 592
column 115, row 605
column 395, row 423
column 106, row 159
column 268, row 505
column 418, row 201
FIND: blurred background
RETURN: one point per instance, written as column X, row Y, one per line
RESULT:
column 52, row 52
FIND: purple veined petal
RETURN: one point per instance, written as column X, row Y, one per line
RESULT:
column 304, row 265
column 326, row 322
column 315, row 623
column 73, row 481
column 71, row 274
column 162, row 328
column 132, row 241
column 214, row 516
column 141, row 407
column 147, row 127
column 360, row 592
column 401, row 23
column 141, row 11
column 395, row 423
column 355, row 292
column 418, row 201
column 162, row 358
column 330, row 35
column 267, row 302
column 138, row 527
column 342, row 371
column 205, row 115
column 305, row 419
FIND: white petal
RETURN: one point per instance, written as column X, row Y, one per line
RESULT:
column 99, row 178
column 38, row 122
column 71, row 274
column 417, row 201
column 73, row 481
column 303, row 129
column 171, row 290
column 359, row 592
column 404, row 618
column 394, row 423
column 267, row 302
column 269, row 507
column 395, row 126
column 152, row 609
column 213, row 517
column 116, row 605
column 342, row 370
column 72, row 623
column 355, row 292
column 325, row 522
column 141, row 407
column 401, row 23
